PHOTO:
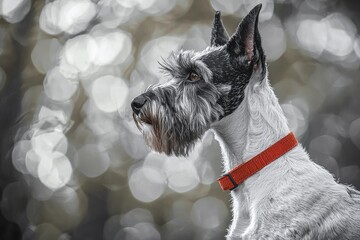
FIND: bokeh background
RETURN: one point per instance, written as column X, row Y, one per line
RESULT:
column 72, row 163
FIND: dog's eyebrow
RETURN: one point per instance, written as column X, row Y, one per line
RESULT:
column 176, row 63
column 181, row 64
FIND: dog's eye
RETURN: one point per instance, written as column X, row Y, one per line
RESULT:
column 193, row 76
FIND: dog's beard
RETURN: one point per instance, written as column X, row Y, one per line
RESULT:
column 167, row 133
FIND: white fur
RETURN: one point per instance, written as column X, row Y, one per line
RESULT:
column 274, row 191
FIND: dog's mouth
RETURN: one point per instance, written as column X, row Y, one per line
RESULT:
column 140, row 120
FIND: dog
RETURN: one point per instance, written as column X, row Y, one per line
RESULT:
column 225, row 88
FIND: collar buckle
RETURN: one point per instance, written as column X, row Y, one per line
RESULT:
column 232, row 181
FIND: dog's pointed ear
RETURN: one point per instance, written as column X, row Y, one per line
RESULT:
column 245, row 44
column 219, row 36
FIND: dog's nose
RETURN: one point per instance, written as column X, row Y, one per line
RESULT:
column 138, row 103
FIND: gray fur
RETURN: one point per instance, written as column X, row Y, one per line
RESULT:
column 292, row 198
column 180, row 111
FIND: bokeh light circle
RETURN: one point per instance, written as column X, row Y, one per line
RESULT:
column 49, row 142
column 45, row 54
column 209, row 212
column 70, row 16
column 109, row 93
column 148, row 231
column 136, row 216
column 14, row 11
column 93, row 160
column 146, row 184
column 181, row 174
column 128, row 233
column 78, row 55
column 113, row 47
column 19, row 154
column 57, row 87
column 54, row 170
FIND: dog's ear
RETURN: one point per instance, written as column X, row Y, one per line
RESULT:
column 219, row 36
column 244, row 45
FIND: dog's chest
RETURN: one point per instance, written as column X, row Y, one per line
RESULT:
column 301, row 207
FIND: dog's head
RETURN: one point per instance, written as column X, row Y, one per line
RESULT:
column 203, row 87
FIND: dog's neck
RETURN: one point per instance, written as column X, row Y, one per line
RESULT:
column 253, row 127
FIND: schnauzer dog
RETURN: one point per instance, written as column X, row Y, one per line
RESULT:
column 282, row 193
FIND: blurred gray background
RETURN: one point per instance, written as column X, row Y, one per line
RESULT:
column 72, row 163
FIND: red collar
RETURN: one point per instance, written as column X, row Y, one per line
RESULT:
column 239, row 174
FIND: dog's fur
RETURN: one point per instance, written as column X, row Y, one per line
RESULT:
column 292, row 198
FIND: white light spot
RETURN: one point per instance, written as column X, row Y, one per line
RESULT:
column 275, row 45
column 296, row 119
column 339, row 42
column 75, row 15
column 147, row 231
column 136, row 216
column 209, row 213
column 341, row 32
column 19, row 154
column 312, row 36
column 45, row 54
column 157, row 48
column 49, row 18
column 32, row 97
column 54, row 170
column 196, row 38
column 78, row 55
column 14, row 11
column 111, row 227
column 334, row 33
column 146, row 184
column 128, row 233
column 47, row 113
column 57, row 87
column 92, row 160
column 49, row 142
column 97, row 121
column 181, row 174
column 67, row 199
column 324, row 145
column 70, row 16
column 32, row 161
column 134, row 145
column 38, row 190
column 114, row 13
column 113, row 48
column 207, row 174
column 155, row 160
column 109, row 93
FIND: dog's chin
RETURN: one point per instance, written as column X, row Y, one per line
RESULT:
column 164, row 144
column 170, row 141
